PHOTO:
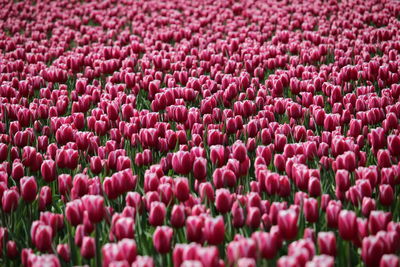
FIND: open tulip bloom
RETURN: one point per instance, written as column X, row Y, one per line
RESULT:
column 200, row 133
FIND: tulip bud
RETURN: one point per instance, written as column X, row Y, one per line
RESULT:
column 162, row 238
column 342, row 179
column 377, row 221
column 239, row 151
column 314, row 187
column 383, row 157
column 64, row 252
column 246, row 262
column 28, row 188
column 182, row 190
column 368, row 205
column 287, row 223
column 310, row 208
column 327, row 243
column 214, row 230
column 266, row 243
column 178, row 216
column 194, row 226
column 143, row 261
column 94, row 205
column 238, row 217
column 88, row 248
column 124, row 228
column 389, row 260
column 48, row 170
column 41, row 236
column 253, row 217
column 12, row 251
column 157, row 213
column 200, row 168
column 386, row 194
column 9, row 200
column 223, row 200
column 182, row 162
column 347, row 224
column 45, row 197
column 372, row 250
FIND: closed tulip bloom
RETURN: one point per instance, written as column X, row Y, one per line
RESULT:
column 266, row 243
column 79, row 234
column 383, row 157
column 239, row 151
column 325, row 199
column 64, row 252
column 349, row 160
column 372, row 250
column 124, row 228
column 194, row 226
column 3, row 152
column 12, row 251
column 88, row 248
column 386, row 194
column 342, row 179
column 394, row 144
column 355, row 127
column 182, row 190
column 182, row 162
column 64, row 184
column 253, row 219
column 279, row 162
column 41, row 236
column 284, row 186
column 378, row 221
column 162, row 238
column 347, row 223
column 45, row 197
column 327, row 243
column 287, row 261
column 74, row 212
column 157, row 213
column 217, row 155
column 321, row 260
column 9, row 200
column 310, row 208
column 303, row 250
column 228, row 177
column 28, row 188
column 143, row 261
column 128, row 249
column 206, row 192
column 389, row 260
column 200, row 168
column 272, row 183
column 96, row 165
column 309, row 233
column 246, row 262
column 94, row 205
column 223, row 200
column 314, row 187
column 48, row 170
column 17, row 170
column 214, row 230
column 368, row 205
column 238, row 217
column 287, row 223
column 178, row 216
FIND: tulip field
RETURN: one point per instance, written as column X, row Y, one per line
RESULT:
column 202, row 133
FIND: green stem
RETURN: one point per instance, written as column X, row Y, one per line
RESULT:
column 97, row 236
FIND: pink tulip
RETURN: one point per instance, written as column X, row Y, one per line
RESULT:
column 162, row 239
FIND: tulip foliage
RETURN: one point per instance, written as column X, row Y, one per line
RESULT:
column 200, row 133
